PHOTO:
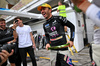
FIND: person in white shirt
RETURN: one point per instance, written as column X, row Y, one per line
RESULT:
column 25, row 40
column 92, row 10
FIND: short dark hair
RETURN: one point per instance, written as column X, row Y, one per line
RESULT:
column 61, row 2
column 1, row 19
column 51, row 9
column 17, row 18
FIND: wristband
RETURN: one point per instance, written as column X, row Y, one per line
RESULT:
column 80, row 4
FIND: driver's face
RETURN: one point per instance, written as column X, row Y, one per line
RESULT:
column 45, row 12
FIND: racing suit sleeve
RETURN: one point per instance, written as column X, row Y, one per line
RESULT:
column 93, row 12
column 47, row 36
column 67, row 23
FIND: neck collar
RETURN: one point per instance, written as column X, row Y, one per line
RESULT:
column 49, row 19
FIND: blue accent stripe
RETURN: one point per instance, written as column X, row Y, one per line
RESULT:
column 98, row 14
column 46, row 25
column 73, row 35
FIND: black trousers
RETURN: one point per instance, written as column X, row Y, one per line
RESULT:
column 90, row 52
column 23, row 54
column 18, row 59
column 60, row 60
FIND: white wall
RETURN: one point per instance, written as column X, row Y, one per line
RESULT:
column 38, row 27
column 78, row 40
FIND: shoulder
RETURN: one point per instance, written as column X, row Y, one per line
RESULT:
column 58, row 17
column 64, row 5
column 27, row 26
column 17, row 27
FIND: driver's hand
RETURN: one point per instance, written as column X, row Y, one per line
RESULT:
column 47, row 46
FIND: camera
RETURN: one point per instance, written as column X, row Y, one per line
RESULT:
column 5, row 46
column 16, row 21
column 8, row 47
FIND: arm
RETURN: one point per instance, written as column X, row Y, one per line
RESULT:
column 47, row 39
column 72, row 31
column 14, row 34
column 81, row 4
column 57, row 10
column 47, row 36
column 67, row 23
column 32, row 38
column 91, row 10
column 4, row 56
column 15, row 37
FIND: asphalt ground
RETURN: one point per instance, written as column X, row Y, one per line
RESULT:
column 81, row 58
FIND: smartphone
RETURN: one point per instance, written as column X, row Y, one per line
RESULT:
column 16, row 21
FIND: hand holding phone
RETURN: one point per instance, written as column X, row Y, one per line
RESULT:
column 16, row 21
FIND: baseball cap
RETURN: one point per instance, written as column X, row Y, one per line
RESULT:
column 43, row 5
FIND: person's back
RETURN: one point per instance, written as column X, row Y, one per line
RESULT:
column 61, row 9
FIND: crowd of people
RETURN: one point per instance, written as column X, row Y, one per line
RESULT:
column 55, row 35
column 24, row 43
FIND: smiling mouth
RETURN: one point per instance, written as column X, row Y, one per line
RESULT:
column 44, row 14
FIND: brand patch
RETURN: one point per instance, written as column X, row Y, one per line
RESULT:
column 47, row 26
column 98, row 14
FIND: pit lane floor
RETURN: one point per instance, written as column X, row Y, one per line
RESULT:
column 81, row 58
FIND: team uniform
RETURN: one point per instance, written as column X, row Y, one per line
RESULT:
column 3, row 35
column 55, row 36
